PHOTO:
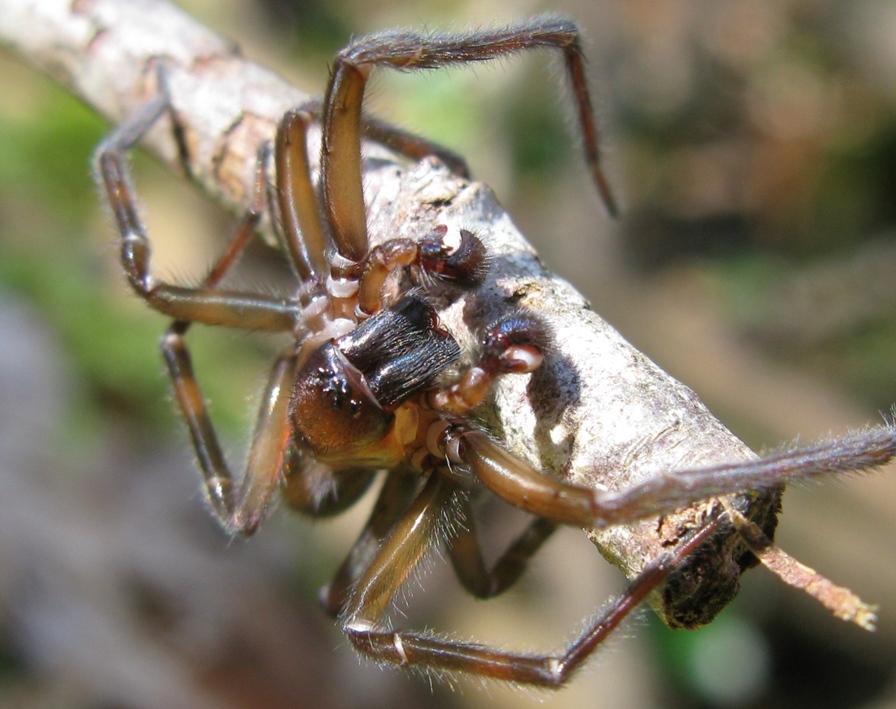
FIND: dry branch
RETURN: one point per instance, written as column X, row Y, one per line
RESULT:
column 599, row 413
column 842, row 602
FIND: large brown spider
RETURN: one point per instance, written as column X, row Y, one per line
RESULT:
column 372, row 381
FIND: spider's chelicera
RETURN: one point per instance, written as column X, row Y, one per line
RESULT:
column 372, row 381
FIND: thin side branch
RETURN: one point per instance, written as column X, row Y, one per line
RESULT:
column 842, row 602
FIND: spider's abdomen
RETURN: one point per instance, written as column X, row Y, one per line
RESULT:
column 347, row 394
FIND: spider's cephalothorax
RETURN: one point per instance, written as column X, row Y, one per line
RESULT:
column 371, row 381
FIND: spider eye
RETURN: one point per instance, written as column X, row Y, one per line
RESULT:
column 333, row 409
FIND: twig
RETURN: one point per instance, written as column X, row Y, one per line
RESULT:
column 841, row 601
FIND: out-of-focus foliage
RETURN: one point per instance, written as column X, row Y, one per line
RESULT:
column 762, row 137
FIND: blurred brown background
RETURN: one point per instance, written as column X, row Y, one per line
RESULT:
column 753, row 146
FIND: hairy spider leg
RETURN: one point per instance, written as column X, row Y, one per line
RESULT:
column 207, row 305
column 530, row 489
column 413, row 147
column 240, row 510
column 302, row 232
column 410, row 539
column 398, row 492
column 469, row 565
column 406, row 50
column 238, row 507
column 399, row 489
column 242, row 235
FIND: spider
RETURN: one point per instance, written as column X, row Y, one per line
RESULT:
column 372, row 381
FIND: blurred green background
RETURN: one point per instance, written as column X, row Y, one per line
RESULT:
column 752, row 144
